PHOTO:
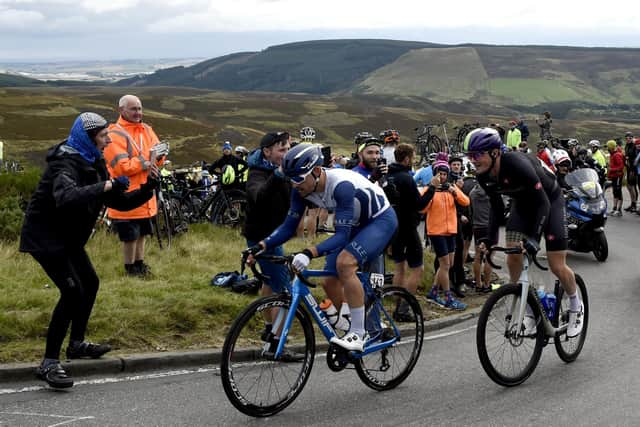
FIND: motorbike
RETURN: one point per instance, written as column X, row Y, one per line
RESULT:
column 586, row 211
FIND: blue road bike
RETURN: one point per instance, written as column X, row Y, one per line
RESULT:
column 264, row 370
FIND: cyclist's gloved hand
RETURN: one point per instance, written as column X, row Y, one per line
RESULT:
column 301, row 261
column 531, row 246
column 255, row 249
column 120, row 184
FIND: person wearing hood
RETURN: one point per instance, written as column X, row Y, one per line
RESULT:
column 268, row 199
column 58, row 222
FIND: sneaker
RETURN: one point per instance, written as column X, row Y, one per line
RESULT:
column 350, row 342
column 434, row 298
column 454, row 304
column 530, row 325
column 403, row 313
column 575, row 322
column 87, row 350
column 630, row 208
column 55, row 376
column 618, row 213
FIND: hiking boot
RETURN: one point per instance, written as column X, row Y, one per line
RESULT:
column 403, row 313
column 434, row 298
column 530, row 325
column 87, row 350
column 350, row 342
column 575, row 322
column 131, row 270
column 54, row 375
column 143, row 269
column 454, row 304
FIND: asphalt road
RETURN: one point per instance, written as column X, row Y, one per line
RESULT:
column 447, row 387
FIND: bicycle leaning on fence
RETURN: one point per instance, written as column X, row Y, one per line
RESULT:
column 260, row 382
column 508, row 351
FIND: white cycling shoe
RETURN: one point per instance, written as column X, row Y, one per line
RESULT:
column 575, row 322
column 351, row 342
column 530, row 325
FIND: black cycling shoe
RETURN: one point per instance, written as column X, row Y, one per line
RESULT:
column 55, row 376
column 87, row 350
column 457, row 291
column 403, row 313
column 287, row 356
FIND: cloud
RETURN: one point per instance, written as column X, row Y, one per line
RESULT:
column 17, row 20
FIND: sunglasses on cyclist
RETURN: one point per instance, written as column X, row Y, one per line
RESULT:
column 475, row 155
column 299, row 179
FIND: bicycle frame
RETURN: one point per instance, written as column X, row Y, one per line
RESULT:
column 301, row 293
column 549, row 329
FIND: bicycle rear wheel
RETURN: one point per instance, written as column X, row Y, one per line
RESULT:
column 254, row 382
column 435, row 145
column 164, row 226
column 396, row 314
column 569, row 348
column 230, row 210
column 506, row 355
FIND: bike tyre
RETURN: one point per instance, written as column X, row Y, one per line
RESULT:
column 488, row 364
column 434, row 144
column 601, row 247
column 576, row 343
column 242, row 352
column 414, row 331
column 163, row 226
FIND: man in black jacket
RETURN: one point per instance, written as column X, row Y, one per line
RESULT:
column 59, row 220
column 406, row 247
column 268, row 195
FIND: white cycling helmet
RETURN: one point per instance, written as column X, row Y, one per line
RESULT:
column 307, row 134
column 241, row 149
column 594, row 143
column 561, row 156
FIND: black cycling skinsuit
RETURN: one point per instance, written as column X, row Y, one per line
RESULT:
column 537, row 205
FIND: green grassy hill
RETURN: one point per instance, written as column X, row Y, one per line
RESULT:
column 13, row 80
column 517, row 77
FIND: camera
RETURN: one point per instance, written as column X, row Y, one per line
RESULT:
column 444, row 187
column 382, row 161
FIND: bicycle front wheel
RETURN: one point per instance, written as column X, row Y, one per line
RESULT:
column 254, row 382
column 508, row 356
column 569, row 348
column 164, row 226
column 395, row 315
column 435, row 144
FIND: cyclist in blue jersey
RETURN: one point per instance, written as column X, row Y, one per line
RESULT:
column 537, row 208
column 364, row 224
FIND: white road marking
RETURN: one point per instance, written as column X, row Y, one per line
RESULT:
column 110, row 380
column 68, row 418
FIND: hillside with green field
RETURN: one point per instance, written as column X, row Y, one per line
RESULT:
column 516, row 77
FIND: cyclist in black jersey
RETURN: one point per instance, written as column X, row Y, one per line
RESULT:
column 537, row 208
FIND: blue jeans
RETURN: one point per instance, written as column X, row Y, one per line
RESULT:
column 278, row 273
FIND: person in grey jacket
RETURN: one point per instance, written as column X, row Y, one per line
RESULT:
column 480, row 214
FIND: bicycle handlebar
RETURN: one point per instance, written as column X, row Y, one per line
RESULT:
column 513, row 250
column 276, row 259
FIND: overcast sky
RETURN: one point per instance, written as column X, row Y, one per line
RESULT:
column 122, row 29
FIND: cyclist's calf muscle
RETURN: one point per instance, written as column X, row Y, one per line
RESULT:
column 347, row 266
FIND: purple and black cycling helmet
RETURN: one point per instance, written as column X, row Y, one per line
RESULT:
column 300, row 161
column 483, row 139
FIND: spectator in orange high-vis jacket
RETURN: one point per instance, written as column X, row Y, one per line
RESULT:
column 442, row 227
column 130, row 154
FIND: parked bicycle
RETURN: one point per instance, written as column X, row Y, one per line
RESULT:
column 461, row 134
column 258, row 379
column 428, row 142
column 509, row 353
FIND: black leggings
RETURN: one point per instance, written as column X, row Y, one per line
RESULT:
column 616, row 185
column 78, row 283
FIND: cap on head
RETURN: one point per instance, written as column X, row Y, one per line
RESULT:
column 227, row 146
column 368, row 143
column 272, row 138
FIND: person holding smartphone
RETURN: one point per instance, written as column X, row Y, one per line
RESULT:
column 132, row 154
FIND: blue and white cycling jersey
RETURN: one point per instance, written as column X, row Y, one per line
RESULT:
column 356, row 201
